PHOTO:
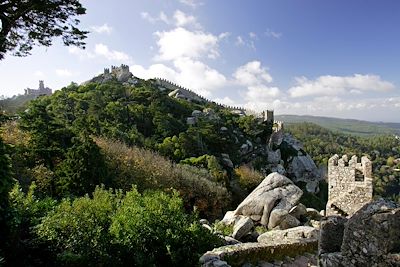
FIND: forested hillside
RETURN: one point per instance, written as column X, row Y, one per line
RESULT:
column 346, row 126
column 383, row 150
column 63, row 152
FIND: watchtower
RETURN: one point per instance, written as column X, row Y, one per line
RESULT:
column 350, row 185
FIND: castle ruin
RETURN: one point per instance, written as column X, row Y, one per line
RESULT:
column 350, row 185
column 40, row 91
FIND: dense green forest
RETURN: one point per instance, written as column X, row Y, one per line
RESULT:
column 346, row 126
column 62, row 154
column 383, row 150
column 109, row 173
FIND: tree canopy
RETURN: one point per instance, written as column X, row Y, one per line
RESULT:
column 35, row 22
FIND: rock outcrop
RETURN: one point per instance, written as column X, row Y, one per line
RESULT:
column 274, row 192
column 371, row 238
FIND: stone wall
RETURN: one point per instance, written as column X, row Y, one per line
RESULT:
column 350, row 185
column 42, row 90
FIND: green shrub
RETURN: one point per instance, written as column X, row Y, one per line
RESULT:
column 24, row 248
column 79, row 229
column 154, row 229
column 148, row 170
column 219, row 227
column 133, row 229
column 249, row 178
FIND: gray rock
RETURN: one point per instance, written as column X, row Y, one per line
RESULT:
column 296, row 233
column 288, row 222
column 332, row 229
column 274, row 192
column 334, row 259
column 231, row 241
column 303, row 168
column 219, row 263
column 276, row 217
column 279, row 169
column 312, row 187
column 299, row 211
column 242, row 227
column 372, row 233
column 226, row 160
column 274, row 157
column 209, row 256
column 239, row 254
column 229, row 218
column 191, row 120
column 282, row 219
column 196, row 113
column 313, row 214
column 244, row 149
column 293, row 142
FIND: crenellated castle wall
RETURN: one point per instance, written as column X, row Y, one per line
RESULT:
column 350, row 184
column 185, row 93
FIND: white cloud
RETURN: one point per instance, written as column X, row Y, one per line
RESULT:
column 181, row 19
column 103, row 50
column 226, row 101
column 64, row 72
column 272, row 34
column 253, row 35
column 224, row 35
column 261, row 93
column 38, row 73
column 180, row 42
column 336, row 85
column 161, row 17
column 199, row 76
column 154, row 71
column 102, row 29
column 191, row 3
column 241, row 41
column 81, row 53
column 252, row 74
column 192, row 74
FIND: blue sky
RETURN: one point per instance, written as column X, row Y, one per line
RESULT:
column 327, row 58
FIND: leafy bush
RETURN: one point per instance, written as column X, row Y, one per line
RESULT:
column 219, row 227
column 155, row 230
column 79, row 229
column 148, row 170
column 23, row 246
column 133, row 229
column 249, row 178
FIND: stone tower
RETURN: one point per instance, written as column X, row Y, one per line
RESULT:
column 350, row 185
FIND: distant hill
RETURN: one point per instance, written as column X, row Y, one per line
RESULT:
column 348, row 126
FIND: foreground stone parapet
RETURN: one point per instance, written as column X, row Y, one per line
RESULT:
column 371, row 238
column 331, row 238
column 239, row 254
column 293, row 234
column 372, row 234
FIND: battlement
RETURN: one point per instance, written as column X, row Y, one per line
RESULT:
column 188, row 94
column 42, row 90
column 350, row 183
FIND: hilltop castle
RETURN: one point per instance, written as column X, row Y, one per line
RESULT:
column 350, row 185
column 40, row 91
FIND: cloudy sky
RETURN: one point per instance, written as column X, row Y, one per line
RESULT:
column 327, row 58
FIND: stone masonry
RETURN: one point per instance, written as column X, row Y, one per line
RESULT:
column 42, row 90
column 350, row 185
